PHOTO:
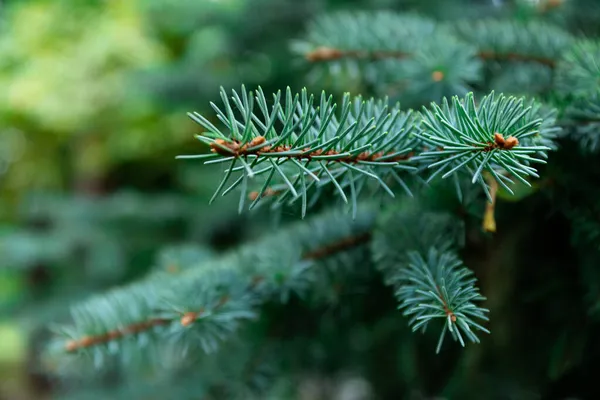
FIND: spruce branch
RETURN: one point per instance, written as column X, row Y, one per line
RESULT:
column 582, row 119
column 440, row 67
column 549, row 130
column 512, row 41
column 300, row 147
column 577, row 80
column 380, row 35
column 578, row 73
column 202, row 305
column 438, row 286
column 364, row 35
column 394, row 237
column 429, row 280
column 490, row 136
column 408, row 52
column 412, row 55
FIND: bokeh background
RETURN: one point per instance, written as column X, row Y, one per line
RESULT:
column 93, row 102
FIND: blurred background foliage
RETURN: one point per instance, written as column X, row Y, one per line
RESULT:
column 93, row 96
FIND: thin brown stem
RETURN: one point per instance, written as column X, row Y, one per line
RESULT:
column 89, row 341
column 490, row 55
column 336, row 247
column 188, row 318
column 228, row 148
column 326, row 54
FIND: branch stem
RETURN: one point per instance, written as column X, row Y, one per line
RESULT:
column 188, row 318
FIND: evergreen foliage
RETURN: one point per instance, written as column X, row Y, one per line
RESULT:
column 444, row 182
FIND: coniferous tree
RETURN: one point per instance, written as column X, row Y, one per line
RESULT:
column 433, row 232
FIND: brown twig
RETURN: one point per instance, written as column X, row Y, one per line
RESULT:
column 188, row 318
column 490, row 55
column 89, row 341
column 333, row 248
column 325, row 54
column 234, row 148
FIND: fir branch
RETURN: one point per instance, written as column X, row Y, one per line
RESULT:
column 408, row 51
column 311, row 147
column 578, row 74
column 394, row 237
column 490, row 136
column 405, row 52
column 577, row 81
column 216, row 294
column 438, row 286
column 507, row 40
column 365, row 34
column 582, row 121
column 429, row 280
column 371, row 142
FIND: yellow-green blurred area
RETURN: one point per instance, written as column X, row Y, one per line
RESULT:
column 72, row 92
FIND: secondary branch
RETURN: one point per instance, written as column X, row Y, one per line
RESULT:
column 327, row 54
column 188, row 318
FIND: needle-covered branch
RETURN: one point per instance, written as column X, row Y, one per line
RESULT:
column 378, row 35
column 405, row 53
column 301, row 144
column 425, row 60
column 510, row 41
column 578, row 73
column 437, row 286
column 429, row 280
column 315, row 147
column 582, row 118
column 205, row 304
column 365, row 35
column 494, row 135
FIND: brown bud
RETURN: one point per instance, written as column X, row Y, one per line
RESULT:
column 453, row 318
column 214, row 147
column 252, row 196
column 324, row 54
column 257, row 141
column 437, row 76
column 86, row 341
column 511, row 142
column 189, row 318
column 218, row 144
column 71, row 345
column 499, row 139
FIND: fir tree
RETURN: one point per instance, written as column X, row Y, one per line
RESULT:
column 388, row 218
